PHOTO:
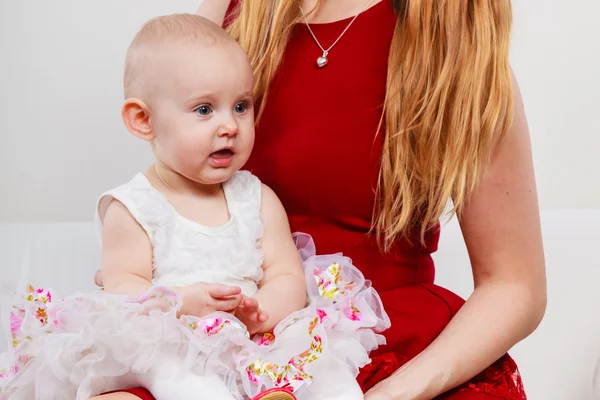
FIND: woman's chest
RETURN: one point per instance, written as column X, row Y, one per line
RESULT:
column 318, row 144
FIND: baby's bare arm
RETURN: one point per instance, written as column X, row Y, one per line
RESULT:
column 126, row 253
column 283, row 287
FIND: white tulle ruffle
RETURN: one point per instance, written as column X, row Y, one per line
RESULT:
column 91, row 343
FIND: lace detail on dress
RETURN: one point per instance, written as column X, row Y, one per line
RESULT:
column 502, row 379
column 186, row 252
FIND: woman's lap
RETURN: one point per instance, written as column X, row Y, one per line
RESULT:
column 501, row 381
column 462, row 395
column 421, row 312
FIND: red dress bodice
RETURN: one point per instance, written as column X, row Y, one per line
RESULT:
column 319, row 150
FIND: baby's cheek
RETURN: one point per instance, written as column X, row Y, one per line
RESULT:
column 192, row 153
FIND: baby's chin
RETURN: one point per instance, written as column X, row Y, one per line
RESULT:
column 214, row 176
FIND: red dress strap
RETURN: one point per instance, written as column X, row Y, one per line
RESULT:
column 232, row 12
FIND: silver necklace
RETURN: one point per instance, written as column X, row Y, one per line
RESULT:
column 160, row 178
column 322, row 61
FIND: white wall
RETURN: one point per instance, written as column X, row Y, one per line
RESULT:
column 62, row 140
column 557, row 361
column 556, row 56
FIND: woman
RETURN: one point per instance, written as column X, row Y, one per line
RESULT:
column 373, row 115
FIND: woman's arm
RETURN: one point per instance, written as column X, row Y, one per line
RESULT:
column 502, row 232
column 215, row 10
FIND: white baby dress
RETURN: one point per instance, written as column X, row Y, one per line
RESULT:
column 91, row 343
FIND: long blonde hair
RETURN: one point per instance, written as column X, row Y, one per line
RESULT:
column 448, row 99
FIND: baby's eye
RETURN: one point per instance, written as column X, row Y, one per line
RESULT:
column 204, row 110
column 241, row 107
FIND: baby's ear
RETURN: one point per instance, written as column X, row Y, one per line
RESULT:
column 136, row 116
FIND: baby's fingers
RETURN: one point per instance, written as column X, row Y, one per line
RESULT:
column 249, row 304
column 262, row 316
column 218, row 291
column 228, row 304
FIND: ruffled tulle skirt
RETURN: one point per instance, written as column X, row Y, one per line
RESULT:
column 86, row 344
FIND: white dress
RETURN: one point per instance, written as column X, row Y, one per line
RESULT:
column 91, row 343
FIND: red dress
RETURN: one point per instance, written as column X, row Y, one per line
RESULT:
column 317, row 148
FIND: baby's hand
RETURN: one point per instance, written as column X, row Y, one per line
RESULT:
column 201, row 299
column 251, row 315
column 98, row 279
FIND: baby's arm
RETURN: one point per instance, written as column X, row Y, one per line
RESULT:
column 126, row 253
column 283, row 287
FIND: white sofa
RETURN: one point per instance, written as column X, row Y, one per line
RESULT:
column 557, row 361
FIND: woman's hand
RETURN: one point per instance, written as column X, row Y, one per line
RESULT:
column 393, row 388
column 377, row 393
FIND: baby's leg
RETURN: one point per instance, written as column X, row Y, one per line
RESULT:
column 191, row 387
column 171, row 381
column 332, row 382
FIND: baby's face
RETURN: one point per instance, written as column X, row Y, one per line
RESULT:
column 202, row 112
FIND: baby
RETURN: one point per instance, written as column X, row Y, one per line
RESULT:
column 207, row 292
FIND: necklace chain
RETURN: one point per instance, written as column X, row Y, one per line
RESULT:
column 160, row 178
column 322, row 61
